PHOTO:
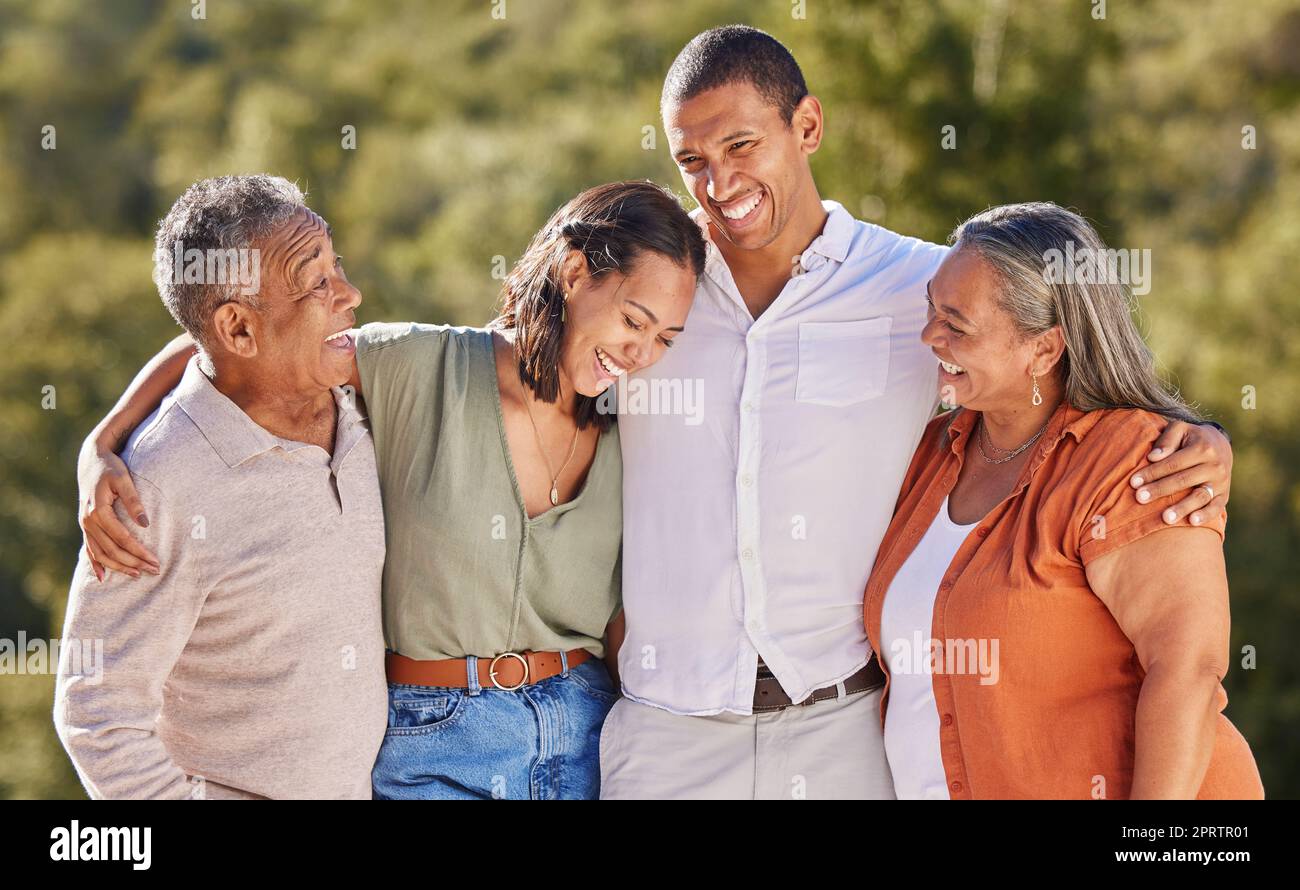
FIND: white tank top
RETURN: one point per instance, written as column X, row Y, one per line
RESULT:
column 911, row 717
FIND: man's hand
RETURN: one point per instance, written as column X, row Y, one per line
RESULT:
column 103, row 478
column 1188, row 458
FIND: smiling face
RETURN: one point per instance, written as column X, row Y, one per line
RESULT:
column 985, row 363
column 742, row 162
column 617, row 324
column 297, row 339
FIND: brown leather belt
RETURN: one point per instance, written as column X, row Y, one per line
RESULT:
column 769, row 696
column 508, row 671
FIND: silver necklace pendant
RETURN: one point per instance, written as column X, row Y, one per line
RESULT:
column 555, row 495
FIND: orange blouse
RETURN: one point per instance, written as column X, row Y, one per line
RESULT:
column 1062, row 712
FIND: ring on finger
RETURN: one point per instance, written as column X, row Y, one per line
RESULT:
column 1209, row 491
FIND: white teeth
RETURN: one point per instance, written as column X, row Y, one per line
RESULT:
column 336, row 336
column 608, row 364
column 741, row 210
column 951, row 368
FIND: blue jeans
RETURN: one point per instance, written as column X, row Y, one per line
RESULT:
column 540, row 742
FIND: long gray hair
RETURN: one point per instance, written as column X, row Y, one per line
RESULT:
column 1106, row 363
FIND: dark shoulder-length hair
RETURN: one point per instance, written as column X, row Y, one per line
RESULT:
column 613, row 225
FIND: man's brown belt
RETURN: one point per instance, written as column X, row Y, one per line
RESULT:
column 508, row 671
column 769, row 696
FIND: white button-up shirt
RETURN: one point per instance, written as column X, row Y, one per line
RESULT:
column 751, row 523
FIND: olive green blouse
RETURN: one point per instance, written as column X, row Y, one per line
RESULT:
column 467, row 572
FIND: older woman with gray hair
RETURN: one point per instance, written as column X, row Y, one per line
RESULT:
column 1045, row 634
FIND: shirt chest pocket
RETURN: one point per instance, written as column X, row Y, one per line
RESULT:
column 842, row 362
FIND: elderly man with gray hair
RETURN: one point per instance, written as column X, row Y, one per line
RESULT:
column 248, row 661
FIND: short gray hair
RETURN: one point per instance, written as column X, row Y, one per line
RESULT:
column 225, row 213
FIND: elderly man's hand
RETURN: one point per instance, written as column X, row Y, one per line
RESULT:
column 1192, row 458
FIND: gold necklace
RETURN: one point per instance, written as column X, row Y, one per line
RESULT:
column 980, row 433
column 555, row 479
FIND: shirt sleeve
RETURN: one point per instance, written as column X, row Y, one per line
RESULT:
column 399, row 364
column 121, row 639
column 1113, row 516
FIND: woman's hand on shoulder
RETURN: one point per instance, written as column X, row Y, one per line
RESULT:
column 103, row 479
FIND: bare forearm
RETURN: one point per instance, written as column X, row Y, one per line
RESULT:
column 611, row 663
column 1176, row 715
column 614, row 635
column 158, row 377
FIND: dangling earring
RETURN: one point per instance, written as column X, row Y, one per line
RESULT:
column 564, row 306
column 1038, row 396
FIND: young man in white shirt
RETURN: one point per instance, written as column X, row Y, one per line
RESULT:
column 751, row 526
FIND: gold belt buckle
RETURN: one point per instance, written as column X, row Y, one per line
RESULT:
column 492, row 671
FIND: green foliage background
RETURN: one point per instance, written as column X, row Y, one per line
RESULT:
column 472, row 129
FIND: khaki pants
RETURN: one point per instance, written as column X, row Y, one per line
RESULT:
column 832, row 750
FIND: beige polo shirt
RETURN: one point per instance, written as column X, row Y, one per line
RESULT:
column 255, row 660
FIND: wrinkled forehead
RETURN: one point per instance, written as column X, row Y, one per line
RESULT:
column 293, row 244
column 305, row 225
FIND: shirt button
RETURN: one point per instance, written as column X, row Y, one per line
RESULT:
column 747, row 480
column 956, row 786
column 747, row 553
column 982, row 532
column 749, row 407
column 947, row 719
